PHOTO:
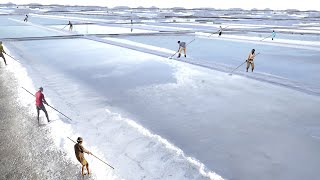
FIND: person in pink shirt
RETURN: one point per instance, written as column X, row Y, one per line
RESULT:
column 39, row 103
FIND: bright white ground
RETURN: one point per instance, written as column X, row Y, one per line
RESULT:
column 151, row 117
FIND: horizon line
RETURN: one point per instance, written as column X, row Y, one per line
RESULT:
column 154, row 7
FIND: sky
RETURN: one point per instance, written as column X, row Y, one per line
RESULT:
column 223, row 4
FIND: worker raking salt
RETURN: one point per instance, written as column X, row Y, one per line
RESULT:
column 70, row 26
column 79, row 151
column 1, row 53
column 273, row 35
column 39, row 103
column 26, row 18
column 220, row 31
column 250, row 60
column 182, row 47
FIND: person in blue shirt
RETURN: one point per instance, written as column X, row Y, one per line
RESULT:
column 273, row 35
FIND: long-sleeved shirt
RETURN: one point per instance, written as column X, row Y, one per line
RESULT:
column 79, row 151
column 1, row 49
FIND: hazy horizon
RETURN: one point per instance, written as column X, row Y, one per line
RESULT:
column 226, row 4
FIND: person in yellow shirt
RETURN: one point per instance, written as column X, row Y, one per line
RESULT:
column 1, row 53
column 250, row 60
column 79, row 151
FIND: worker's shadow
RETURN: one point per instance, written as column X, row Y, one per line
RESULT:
column 41, row 124
column 80, row 177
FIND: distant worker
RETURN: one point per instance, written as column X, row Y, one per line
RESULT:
column 1, row 53
column 182, row 47
column 250, row 60
column 79, row 151
column 220, row 31
column 70, row 26
column 273, row 35
column 26, row 18
column 39, row 104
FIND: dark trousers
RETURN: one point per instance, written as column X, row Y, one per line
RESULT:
column 41, row 107
column 4, row 59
